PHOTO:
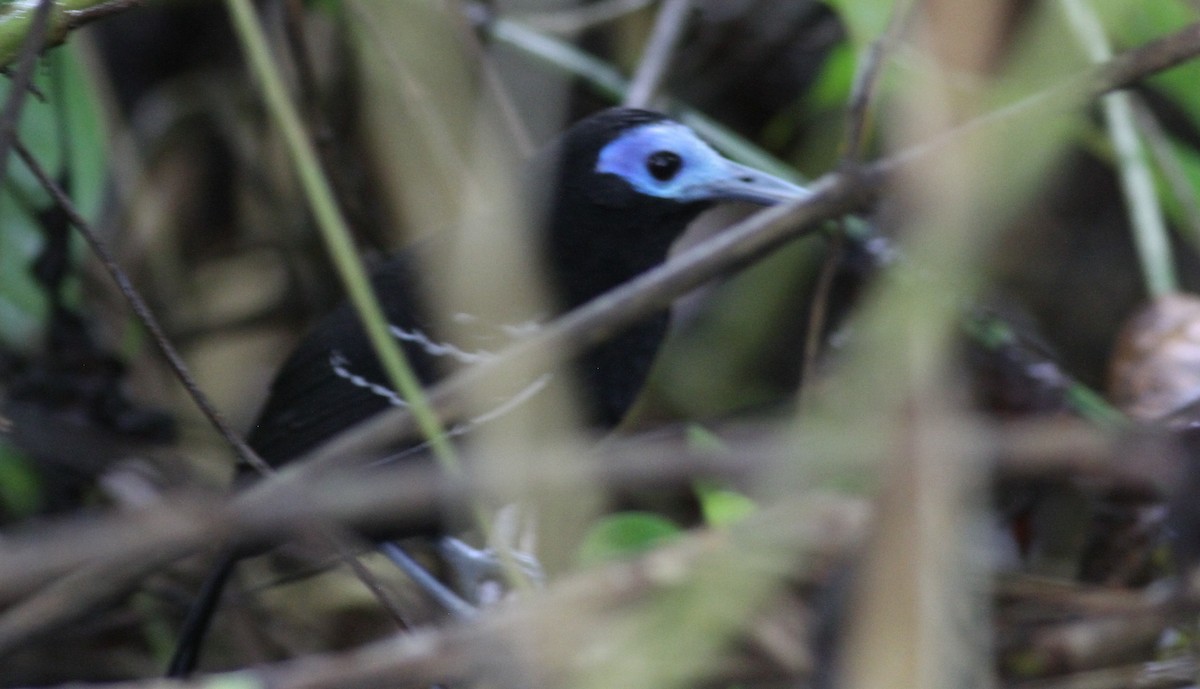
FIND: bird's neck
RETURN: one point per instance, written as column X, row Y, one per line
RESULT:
column 590, row 254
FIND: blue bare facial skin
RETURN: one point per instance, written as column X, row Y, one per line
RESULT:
column 668, row 160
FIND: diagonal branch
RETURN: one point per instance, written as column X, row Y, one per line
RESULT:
column 833, row 195
column 668, row 29
column 138, row 305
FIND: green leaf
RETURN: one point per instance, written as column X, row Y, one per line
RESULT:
column 20, row 488
column 700, row 439
column 721, row 506
column 65, row 132
column 832, row 88
column 623, row 535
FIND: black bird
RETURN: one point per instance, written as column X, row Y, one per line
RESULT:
column 624, row 184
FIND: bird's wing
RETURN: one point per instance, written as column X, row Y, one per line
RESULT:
column 333, row 379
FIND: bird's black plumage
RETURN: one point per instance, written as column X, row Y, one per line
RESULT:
column 309, row 402
column 598, row 233
column 623, row 185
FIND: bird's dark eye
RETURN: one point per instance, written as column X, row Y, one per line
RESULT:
column 663, row 165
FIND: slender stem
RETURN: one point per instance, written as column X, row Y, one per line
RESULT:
column 652, row 69
column 1167, row 159
column 607, row 81
column 90, row 12
column 866, row 82
column 18, row 88
column 334, row 230
column 494, row 85
column 1137, row 182
column 818, row 312
column 572, row 21
column 141, row 310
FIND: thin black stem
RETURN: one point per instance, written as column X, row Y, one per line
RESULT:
column 142, row 310
column 818, row 314
column 19, row 86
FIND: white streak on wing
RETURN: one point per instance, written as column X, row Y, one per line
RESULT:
column 440, row 348
column 339, row 365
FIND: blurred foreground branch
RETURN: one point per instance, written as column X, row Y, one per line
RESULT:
column 413, row 494
column 568, row 630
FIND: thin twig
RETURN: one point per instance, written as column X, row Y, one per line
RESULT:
column 494, row 85
column 82, row 17
column 141, row 310
column 668, row 28
column 321, row 201
column 818, row 313
column 1171, row 167
column 323, row 137
column 602, row 77
column 572, row 21
column 341, row 542
column 18, row 88
column 1137, row 182
column 866, row 83
column 862, row 94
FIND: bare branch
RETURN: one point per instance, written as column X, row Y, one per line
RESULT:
column 140, row 309
column 668, row 27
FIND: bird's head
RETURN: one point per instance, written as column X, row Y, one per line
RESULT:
column 625, row 185
column 637, row 160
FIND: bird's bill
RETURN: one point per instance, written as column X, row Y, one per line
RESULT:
column 740, row 183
